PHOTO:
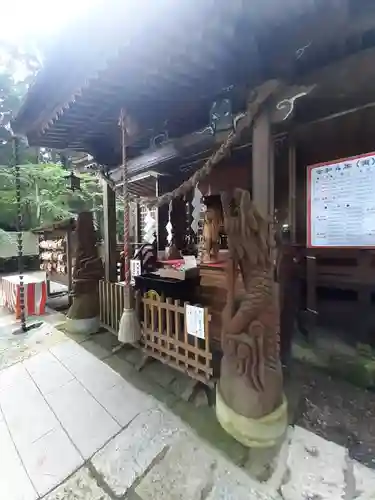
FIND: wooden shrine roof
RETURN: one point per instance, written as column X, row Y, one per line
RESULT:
column 164, row 60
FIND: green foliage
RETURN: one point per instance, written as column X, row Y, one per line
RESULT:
column 44, row 196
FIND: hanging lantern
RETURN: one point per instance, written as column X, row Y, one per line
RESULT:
column 73, row 183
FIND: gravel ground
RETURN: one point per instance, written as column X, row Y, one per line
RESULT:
column 333, row 409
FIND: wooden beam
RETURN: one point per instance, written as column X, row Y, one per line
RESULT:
column 162, row 213
column 262, row 171
column 137, row 224
column 109, row 209
column 69, row 260
column 292, row 191
column 157, row 214
column 311, row 298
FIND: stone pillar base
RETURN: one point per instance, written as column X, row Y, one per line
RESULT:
column 253, row 433
column 86, row 326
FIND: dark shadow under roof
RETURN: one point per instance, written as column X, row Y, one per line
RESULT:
column 160, row 60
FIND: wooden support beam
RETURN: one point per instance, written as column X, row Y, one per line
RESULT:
column 69, row 259
column 158, row 216
column 311, row 299
column 292, row 191
column 263, row 171
column 109, row 209
column 137, row 224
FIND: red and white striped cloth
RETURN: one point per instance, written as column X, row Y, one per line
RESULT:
column 35, row 295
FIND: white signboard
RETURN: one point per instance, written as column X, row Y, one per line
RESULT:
column 341, row 203
column 135, row 269
column 190, row 262
column 194, row 317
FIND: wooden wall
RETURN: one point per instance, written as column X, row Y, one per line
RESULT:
column 233, row 173
column 344, row 136
column 340, row 284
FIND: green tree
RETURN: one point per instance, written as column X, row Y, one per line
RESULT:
column 45, row 197
column 44, row 194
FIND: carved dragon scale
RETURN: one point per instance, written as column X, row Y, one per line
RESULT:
column 250, row 337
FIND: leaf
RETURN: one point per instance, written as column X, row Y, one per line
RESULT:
column 4, row 236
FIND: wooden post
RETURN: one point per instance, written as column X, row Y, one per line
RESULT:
column 263, row 181
column 137, row 235
column 162, row 213
column 109, row 209
column 262, row 172
column 311, row 299
column 292, row 192
column 69, row 262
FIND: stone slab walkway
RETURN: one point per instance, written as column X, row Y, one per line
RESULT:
column 73, row 428
column 64, row 410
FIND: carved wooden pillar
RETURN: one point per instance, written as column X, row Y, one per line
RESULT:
column 109, row 208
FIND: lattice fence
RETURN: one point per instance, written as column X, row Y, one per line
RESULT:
column 165, row 336
column 111, row 301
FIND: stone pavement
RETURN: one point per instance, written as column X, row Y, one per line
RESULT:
column 16, row 348
column 71, row 427
column 65, row 412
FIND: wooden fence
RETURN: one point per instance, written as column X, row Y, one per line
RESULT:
column 165, row 338
column 111, row 302
column 164, row 331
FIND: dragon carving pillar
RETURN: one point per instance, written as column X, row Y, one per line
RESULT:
column 83, row 316
column 250, row 404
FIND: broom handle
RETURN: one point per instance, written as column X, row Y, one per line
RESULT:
column 127, row 304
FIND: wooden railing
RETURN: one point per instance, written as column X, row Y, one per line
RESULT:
column 164, row 331
column 165, row 338
column 111, row 302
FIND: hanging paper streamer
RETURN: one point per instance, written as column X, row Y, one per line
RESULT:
column 150, row 227
column 197, row 205
column 169, row 226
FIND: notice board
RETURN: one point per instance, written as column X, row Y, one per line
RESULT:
column 341, row 203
